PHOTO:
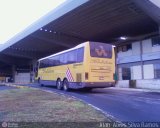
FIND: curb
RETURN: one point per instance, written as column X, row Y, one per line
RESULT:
column 135, row 89
column 16, row 86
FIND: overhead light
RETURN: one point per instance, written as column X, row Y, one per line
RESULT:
column 113, row 46
column 123, row 38
column 41, row 29
column 45, row 30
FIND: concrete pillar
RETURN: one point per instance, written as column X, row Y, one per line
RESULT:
column 142, row 63
column 33, row 70
column 13, row 73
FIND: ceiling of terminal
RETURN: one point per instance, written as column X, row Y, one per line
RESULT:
column 96, row 20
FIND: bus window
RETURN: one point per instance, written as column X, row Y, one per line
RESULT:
column 61, row 56
column 100, row 50
column 55, row 60
column 72, row 56
column 80, row 55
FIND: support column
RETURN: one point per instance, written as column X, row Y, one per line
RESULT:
column 13, row 73
column 141, row 53
column 33, row 70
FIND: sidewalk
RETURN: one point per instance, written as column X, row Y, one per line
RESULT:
column 17, row 85
column 136, row 89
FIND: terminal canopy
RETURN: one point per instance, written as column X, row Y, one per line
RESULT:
column 77, row 21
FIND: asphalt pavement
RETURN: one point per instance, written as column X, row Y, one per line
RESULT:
column 2, row 87
column 123, row 105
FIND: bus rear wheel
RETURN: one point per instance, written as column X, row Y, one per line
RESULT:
column 58, row 84
column 65, row 85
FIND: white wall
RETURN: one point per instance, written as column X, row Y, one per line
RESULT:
column 22, row 78
column 136, row 72
column 156, row 49
column 148, row 84
column 119, row 73
column 148, row 71
column 123, row 54
column 132, row 55
column 144, row 84
column 123, row 83
column 136, row 48
column 147, row 46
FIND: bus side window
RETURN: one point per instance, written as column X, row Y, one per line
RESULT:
column 55, row 61
column 80, row 55
column 65, row 56
column 61, row 58
column 72, row 57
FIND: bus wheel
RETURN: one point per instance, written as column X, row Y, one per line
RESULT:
column 58, row 84
column 65, row 85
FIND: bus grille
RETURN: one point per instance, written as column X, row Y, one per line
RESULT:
column 78, row 77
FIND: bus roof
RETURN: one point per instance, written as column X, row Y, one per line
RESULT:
column 76, row 47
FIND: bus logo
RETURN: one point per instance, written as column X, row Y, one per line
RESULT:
column 101, row 51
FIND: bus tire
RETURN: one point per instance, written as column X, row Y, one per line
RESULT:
column 65, row 85
column 59, row 84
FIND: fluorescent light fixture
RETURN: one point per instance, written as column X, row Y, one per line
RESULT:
column 123, row 38
column 113, row 46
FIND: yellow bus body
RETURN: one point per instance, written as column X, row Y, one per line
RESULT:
column 93, row 72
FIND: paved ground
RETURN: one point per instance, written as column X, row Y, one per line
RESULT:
column 124, row 105
column 5, row 87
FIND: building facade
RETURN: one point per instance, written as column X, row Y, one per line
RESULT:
column 139, row 61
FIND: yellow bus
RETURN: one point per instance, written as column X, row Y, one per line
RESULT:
column 88, row 65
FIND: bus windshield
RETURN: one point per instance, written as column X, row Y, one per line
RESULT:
column 100, row 50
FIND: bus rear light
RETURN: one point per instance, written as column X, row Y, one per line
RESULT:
column 86, row 75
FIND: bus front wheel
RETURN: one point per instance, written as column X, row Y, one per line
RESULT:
column 65, row 85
